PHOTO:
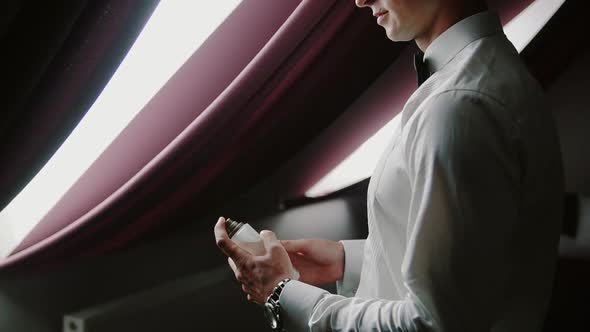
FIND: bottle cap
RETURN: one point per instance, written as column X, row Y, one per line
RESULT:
column 232, row 227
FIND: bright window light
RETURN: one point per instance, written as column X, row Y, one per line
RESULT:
column 360, row 164
column 174, row 32
column 524, row 27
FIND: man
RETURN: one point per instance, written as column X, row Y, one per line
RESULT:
column 464, row 206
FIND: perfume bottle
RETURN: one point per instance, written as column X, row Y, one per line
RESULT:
column 247, row 238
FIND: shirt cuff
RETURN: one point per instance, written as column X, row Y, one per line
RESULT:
column 353, row 262
column 297, row 302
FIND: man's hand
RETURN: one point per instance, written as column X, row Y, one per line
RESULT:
column 318, row 261
column 259, row 275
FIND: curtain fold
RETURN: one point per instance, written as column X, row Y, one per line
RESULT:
column 219, row 153
column 184, row 98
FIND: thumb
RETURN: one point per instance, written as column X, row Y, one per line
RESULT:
column 269, row 239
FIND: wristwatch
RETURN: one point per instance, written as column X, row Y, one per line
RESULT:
column 272, row 307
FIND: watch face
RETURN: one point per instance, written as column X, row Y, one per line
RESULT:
column 270, row 315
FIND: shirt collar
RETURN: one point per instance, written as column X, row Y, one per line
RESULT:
column 446, row 46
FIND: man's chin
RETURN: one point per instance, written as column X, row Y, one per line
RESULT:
column 397, row 37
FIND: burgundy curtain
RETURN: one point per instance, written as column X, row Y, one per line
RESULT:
column 255, row 93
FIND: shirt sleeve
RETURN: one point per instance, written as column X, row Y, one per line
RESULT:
column 464, row 176
column 353, row 262
column 464, row 164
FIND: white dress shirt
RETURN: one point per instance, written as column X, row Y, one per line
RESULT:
column 464, row 206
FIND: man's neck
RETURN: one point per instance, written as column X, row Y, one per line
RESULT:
column 446, row 19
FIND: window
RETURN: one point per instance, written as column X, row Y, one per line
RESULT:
column 173, row 33
column 524, row 27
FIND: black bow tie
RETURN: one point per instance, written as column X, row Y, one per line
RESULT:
column 422, row 70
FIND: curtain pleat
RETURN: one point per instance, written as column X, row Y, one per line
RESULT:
column 225, row 141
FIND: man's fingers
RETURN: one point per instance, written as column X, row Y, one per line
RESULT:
column 270, row 240
column 232, row 265
column 222, row 239
column 227, row 246
column 293, row 246
column 296, row 259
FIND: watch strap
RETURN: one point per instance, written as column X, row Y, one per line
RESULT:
column 276, row 292
column 273, row 301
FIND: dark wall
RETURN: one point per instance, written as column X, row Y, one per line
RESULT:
column 569, row 98
column 571, row 105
